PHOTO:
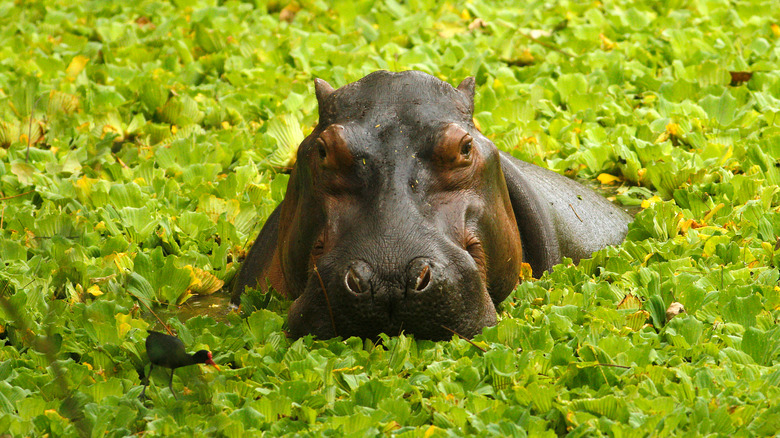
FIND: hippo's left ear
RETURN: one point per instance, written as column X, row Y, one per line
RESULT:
column 322, row 89
column 467, row 89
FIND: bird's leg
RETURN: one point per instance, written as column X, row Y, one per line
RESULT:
column 170, row 385
column 146, row 382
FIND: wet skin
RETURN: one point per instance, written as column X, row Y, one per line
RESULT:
column 401, row 216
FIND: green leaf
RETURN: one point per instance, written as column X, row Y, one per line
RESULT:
column 371, row 393
column 742, row 310
column 610, row 406
column 763, row 347
column 286, row 134
column 25, row 172
column 723, row 109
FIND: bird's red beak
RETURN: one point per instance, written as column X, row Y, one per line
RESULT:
column 211, row 362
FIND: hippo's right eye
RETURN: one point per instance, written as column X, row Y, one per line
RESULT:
column 454, row 148
column 465, row 147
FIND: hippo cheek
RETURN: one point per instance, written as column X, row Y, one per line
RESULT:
column 431, row 300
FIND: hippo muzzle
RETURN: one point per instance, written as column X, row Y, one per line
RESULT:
column 418, row 282
column 400, row 216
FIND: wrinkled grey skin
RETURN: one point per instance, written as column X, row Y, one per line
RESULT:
column 400, row 216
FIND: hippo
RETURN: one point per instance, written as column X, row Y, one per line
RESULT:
column 400, row 216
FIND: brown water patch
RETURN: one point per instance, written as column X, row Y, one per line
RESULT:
column 214, row 306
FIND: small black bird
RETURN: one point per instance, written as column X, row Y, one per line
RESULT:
column 169, row 352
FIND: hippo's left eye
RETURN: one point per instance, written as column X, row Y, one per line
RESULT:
column 321, row 151
column 332, row 149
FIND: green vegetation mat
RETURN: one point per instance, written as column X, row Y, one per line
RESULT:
column 143, row 144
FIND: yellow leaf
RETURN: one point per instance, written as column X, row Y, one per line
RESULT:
column 202, row 282
column 84, row 186
column 120, row 259
column 630, row 301
column 648, row 202
column 76, row 66
column 123, row 323
column 431, row 430
column 184, row 297
column 636, row 320
column 727, row 155
column 391, row 426
column 775, row 29
column 94, row 290
column 53, row 414
column 711, row 213
column 526, row 273
column 352, row 369
column 662, row 138
column 606, row 178
column 525, row 58
column 606, row 43
column 686, row 225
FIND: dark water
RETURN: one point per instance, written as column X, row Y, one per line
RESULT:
column 214, row 305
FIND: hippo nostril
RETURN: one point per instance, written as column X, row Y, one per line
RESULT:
column 420, row 275
column 353, row 283
column 423, row 279
column 358, row 276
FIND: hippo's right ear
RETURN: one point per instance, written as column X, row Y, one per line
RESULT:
column 466, row 88
column 322, row 89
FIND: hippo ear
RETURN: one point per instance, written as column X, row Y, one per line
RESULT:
column 467, row 89
column 322, row 89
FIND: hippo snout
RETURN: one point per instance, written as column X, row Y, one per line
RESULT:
column 421, row 276
column 424, row 295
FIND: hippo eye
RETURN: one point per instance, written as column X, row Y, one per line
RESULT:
column 454, row 148
column 321, row 149
column 465, row 148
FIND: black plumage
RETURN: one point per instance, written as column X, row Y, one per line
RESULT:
column 169, row 352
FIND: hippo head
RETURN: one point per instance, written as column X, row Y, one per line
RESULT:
column 397, row 216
